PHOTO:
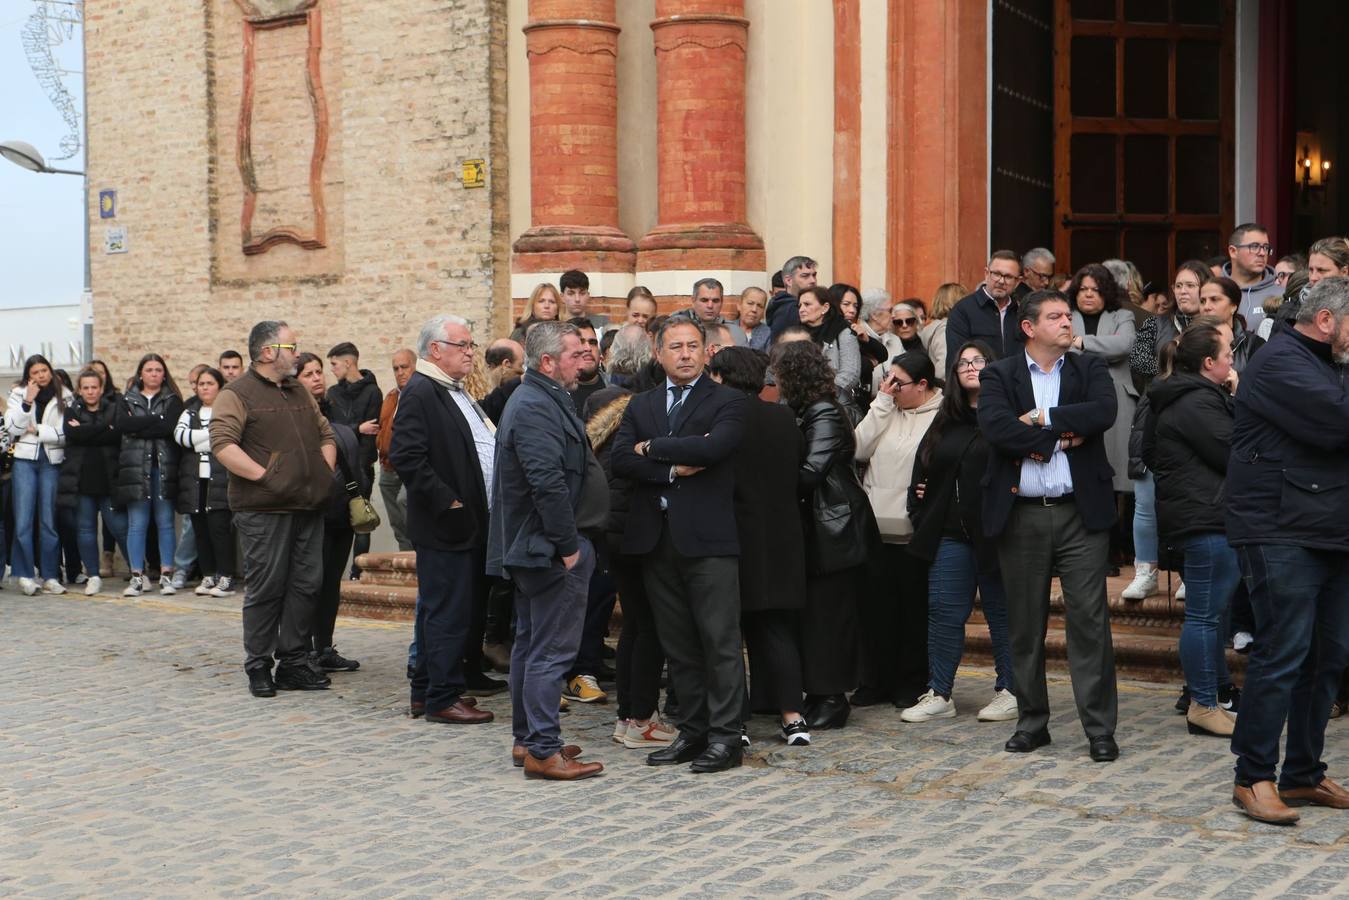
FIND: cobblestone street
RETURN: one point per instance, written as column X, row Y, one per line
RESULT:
column 134, row 763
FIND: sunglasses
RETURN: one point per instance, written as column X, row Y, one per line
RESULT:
column 908, row 321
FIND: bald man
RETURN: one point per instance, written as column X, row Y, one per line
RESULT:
column 390, row 486
column 505, row 360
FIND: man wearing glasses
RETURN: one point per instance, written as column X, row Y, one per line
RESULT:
column 990, row 313
column 1248, row 265
column 1037, row 270
column 268, row 432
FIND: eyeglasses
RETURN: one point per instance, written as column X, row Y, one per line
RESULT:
column 974, row 362
column 1001, row 276
column 1043, row 276
column 1282, row 277
column 908, row 321
column 901, row 385
column 291, row 347
column 1257, row 249
column 467, row 346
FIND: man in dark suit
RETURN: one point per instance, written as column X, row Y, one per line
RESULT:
column 442, row 449
column 547, row 494
column 990, row 313
column 677, row 445
column 1050, row 504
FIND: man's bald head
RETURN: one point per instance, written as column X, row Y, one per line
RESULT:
column 404, row 363
column 507, row 355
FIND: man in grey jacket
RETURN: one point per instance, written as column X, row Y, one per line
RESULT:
column 547, row 491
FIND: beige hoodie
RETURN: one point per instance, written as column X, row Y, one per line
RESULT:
column 888, row 437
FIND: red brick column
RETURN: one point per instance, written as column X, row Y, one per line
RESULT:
column 573, row 155
column 700, row 120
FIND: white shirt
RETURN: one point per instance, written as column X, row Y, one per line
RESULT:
column 483, row 439
column 1052, row 478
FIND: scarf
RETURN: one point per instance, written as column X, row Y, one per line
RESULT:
column 431, row 371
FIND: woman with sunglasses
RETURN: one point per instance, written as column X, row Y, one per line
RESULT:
column 945, row 495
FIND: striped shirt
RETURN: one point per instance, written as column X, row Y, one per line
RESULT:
column 1053, row 478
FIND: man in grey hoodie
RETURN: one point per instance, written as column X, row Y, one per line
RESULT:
column 1248, row 252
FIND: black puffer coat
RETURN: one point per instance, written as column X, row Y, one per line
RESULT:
column 189, row 468
column 1186, row 443
column 840, row 529
column 146, row 425
column 94, row 442
column 354, row 402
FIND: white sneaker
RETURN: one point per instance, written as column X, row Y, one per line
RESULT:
column 654, row 733
column 52, row 586
column 93, row 586
column 166, row 586
column 204, row 589
column 28, row 586
column 1180, row 591
column 136, row 587
column 179, row 580
column 1144, row 583
column 620, row 730
column 81, row 578
column 929, row 706
column 224, row 587
column 1241, row 640
column 1002, row 708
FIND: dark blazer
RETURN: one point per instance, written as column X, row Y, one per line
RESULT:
column 772, row 549
column 536, row 483
column 1087, row 407
column 701, row 507
column 976, row 317
column 433, row 452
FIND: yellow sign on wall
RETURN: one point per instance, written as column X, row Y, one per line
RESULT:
column 475, row 173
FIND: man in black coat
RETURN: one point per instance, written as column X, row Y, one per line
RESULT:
column 442, row 449
column 548, row 495
column 1050, row 504
column 677, row 445
column 990, row 313
column 798, row 273
column 355, row 401
column 1287, row 504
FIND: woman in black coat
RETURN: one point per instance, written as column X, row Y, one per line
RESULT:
column 772, row 548
column 90, row 471
column 147, row 467
column 1186, row 443
column 203, row 488
column 114, row 397
column 945, row 494
column 839, row 531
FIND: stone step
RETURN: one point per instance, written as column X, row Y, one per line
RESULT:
column 378, row 601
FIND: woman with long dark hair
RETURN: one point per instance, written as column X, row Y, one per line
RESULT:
column 203, row 488
column 147, row 467
column 35, row 417
column 1221, row 297
column 829, row 330
column 839, row 531
column 945, row 496
column 90, row 472
column 849, row 301
column 110, row 540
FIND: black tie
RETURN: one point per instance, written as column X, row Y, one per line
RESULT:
column 677, row 407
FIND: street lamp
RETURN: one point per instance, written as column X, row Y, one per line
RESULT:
column 24, row 154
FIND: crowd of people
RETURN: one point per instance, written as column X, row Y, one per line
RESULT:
column 797, row 501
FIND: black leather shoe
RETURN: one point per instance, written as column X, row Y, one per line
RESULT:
column 1026, row 741
column 1104, row 748
column 330, row 660
column 718, row 758
column 681, row 750
column 301, row 678
column 480, row 685
column 260, row 683
column 829, row 712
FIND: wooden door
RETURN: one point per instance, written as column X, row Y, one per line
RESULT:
column 1143, row 144
column 1021, row 154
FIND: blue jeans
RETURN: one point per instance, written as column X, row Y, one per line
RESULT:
column 138, row 523
column 34, row 491
column 1211, row 576
column 952, row 579
column 86, row 520
column 1300, row 598
column 185, row 554
column 1145, row 519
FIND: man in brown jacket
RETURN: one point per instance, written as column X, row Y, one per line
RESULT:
column 280, row 451
column 390, row 485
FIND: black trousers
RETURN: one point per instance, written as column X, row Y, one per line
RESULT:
column 336, row 545
column 640, row 657
column 774, row 660
column 497, row 627
column 599, row 609
column 893, row 614
column 215, row 540
column 696, row 601
column 828, row 633
column 283, row 565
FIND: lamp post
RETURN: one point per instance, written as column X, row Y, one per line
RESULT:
column 26, row 155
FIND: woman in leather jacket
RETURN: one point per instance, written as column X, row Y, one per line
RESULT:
column 839, row 530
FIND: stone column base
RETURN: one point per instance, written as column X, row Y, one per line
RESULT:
column 672, row 257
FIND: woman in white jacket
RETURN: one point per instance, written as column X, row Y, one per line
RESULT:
column 894, row 611
column 35, row 420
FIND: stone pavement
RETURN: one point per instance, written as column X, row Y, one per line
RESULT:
column 134, row 763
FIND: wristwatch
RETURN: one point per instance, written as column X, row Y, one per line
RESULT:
column 1035, row 417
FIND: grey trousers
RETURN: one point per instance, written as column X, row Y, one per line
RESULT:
column 1038, row 543
column 396, row 505
column 283, row 571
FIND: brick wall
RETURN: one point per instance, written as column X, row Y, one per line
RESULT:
column 413, row 88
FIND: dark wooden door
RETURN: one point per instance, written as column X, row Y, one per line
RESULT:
column 1021, row 154
column 1143, row 145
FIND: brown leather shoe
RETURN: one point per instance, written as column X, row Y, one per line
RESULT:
column 559, row 768
column 1261, row 802
column 417, row 708
column 518, row 754
column 1327, row 793
column 461, row 714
